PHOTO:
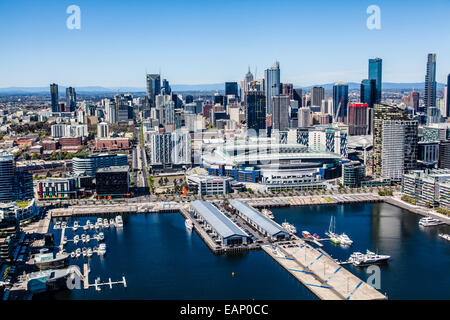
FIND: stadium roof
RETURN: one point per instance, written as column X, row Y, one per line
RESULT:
column 216, row 219
column 271, row 227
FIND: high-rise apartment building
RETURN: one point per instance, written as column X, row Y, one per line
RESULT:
column 357, row 119
column 71, row 99
column 54, row 96
column 430, row 83
column 395, row 139
column 447, row 97
column 317, row 95
column 280, row 112
column 272, row 85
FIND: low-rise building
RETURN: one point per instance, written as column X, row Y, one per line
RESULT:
column 207, row 185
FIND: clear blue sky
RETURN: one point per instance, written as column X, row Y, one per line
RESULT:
column 213, row 41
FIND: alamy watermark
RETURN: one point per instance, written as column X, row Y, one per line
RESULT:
column 374, row 20
column 73, row 22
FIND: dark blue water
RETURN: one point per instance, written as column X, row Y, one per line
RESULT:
column 161, row 260
column 420, row 260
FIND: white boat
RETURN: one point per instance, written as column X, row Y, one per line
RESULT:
column 72, row 255
column 75, row 226
column 334, row 237
column 369, row 258
column 84, row 251
column 267, row 213
column 445, row 236
column 111, row 222
column 289, row 227
column 102, row 249
column 429, row 222
column 64, row 240
column 89, row 252
column 78, row 252
column 97, row 226
column 88, row 238
column 83, row 238
column 189, row 225
column 106, row 223
column 91, row 226
column 63, row 224
column 57, row 225
column 99, row 223
column 76, row 239
column 345, row 240
column 119, row 221
column 101, row 236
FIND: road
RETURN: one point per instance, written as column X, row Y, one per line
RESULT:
column 140, row 165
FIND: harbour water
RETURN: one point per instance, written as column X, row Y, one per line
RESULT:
column 162, row 260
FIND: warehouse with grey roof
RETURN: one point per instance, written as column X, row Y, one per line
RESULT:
column 220, row 225
column 261, row 223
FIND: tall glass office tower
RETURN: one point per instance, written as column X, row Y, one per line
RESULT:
column 153, row 87
column 368, row 93
column 340, row 101
column 375, row 73
column 272, row 85
column 256, row 110
column 430, row 83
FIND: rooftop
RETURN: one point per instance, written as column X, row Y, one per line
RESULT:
column 263, row 222
column 223, row 226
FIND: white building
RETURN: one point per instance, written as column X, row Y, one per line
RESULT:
column 103, row 130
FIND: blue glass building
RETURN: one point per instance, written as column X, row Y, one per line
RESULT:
column 340, row 101
column 375, row 73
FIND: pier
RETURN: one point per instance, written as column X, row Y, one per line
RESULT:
column 320, row 274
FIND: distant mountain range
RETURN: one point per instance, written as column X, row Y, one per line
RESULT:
column 196, row 87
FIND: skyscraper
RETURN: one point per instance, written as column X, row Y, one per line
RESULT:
column 297, row 96
column 375, row 73
column 71, row 99
column 280, row 112
column 357, row 119
column 340, row 101
column 166, row 87
column 414, row 100
column 256, row 110
column 448, row 98
column 231, row 88
column 245, row 85
column 272, row 85
column 430, row 83
column 394, row 142
column 54, row 96
column 153, row 87
column 317, row 95
column 368, row 92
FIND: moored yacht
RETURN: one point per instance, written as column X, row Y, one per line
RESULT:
column 189, row 225
column 119, row 221
column 369, row 258
column 429, row 222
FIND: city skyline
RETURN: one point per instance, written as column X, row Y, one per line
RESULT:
column 117, row 45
